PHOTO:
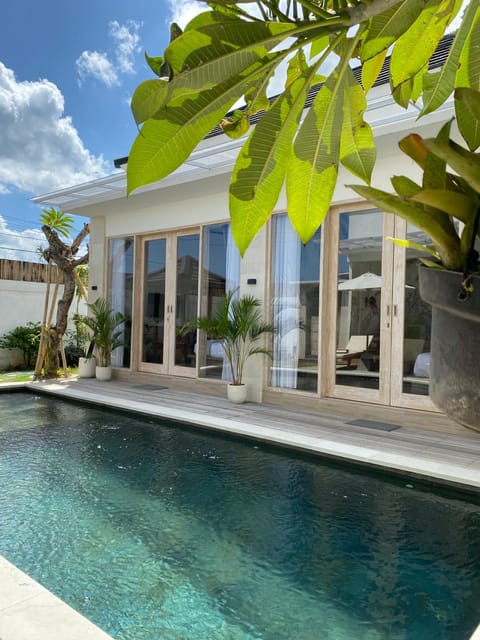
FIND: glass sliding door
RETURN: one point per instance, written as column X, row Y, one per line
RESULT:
column 359, row 299
column 120, row 292
column 220, row 273
column 295, row 285
column 154, row 276
column 186, row 298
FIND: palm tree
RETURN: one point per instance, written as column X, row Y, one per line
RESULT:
column 104, row 324
column 238, row 325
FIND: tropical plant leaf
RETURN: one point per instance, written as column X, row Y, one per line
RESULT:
column 454, row 204
column 446, row 243
column 438, row 85
column 165, row 142
column 415, row 47
column 357, row 146
column 387, row 27
column 405, row 187
column 414, row 147
column 371, row 70
column 467, row 110
column 313, row 167
column 148, row 98
column 464, row 162
column 259, row 171
column 410, row 244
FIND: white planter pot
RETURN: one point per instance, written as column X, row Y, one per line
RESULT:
column 237, row 393
column 103, row 373
column 86, row 367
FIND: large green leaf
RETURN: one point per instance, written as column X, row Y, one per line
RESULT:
column 387, row 27
column 447, row 244
column 357, row 146
column 371, row 70
column 313, row 167
column 438, row 85
column 405, row 187
column 468, row 75
column 416, row 46
column 454, row 204
column 259, row 171
column 165, row 143
column 465, row 163
column 148, row 98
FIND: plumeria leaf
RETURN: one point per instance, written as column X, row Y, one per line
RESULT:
column 259, row 171
column 357, row 147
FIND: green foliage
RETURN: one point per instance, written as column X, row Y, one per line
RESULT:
column 105, row 325
column 238, row 325
column 26, row 338
column 229, row 53
column 57, row 220
column 443, row 198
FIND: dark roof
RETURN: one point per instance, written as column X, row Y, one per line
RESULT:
column 437, row 60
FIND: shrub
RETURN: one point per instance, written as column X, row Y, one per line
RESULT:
column 26, row 338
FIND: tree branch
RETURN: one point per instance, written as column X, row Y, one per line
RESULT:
column 363, row 11
column 80, row 238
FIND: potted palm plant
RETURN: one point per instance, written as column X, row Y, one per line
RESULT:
column 238, row 326
column 446, row 206
column 107, row 334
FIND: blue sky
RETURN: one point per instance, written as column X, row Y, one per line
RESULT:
column 67, row 72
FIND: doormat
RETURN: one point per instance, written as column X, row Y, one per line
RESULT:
column 372, row 424
column 149, row 387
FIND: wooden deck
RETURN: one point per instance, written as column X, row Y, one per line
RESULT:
column 418, row 443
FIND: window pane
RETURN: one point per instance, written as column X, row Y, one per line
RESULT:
column 359, row 299
column 154, row 301
column 221, row 273
column 188, row 250
column 120, row 296
column 296, row 275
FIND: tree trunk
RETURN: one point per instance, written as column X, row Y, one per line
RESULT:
column 63, row 256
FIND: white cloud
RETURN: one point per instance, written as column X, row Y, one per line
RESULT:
column 127, row 39
column 99, row 65
column 22, row 245
column 183, row 11
column 40, row 149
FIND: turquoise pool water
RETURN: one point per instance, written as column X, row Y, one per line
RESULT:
column 160, row 533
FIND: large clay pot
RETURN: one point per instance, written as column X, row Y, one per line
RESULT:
column 455, row 345
column 237, row 393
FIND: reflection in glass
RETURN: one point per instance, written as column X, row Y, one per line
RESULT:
column 417, row 325
column 154, row 301
column 221, row 273
column 359, row 299
column 120, row 292
column 186, row 307
column 296, row 275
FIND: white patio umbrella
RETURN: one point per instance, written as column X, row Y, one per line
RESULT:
column 364, row 281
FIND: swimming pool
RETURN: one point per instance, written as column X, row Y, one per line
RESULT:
column 158, row 532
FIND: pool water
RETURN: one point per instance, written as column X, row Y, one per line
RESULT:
column 157, row 532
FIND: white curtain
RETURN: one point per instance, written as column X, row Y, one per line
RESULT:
column 286, row 304
column 118, row 269
column 232, row 283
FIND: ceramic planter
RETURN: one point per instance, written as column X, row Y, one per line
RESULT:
column 237, row 393
column 86, row 367
column 455, row 345
column 103, row 373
